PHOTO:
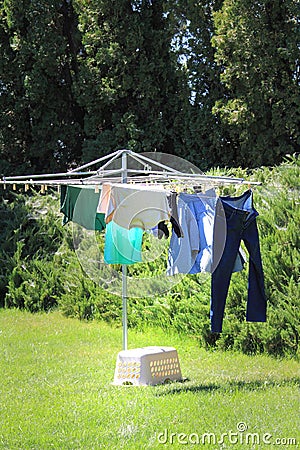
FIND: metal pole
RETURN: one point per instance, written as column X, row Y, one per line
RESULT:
column 124, row 305
column 124, row 267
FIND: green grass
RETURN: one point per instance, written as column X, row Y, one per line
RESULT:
column 56, row 391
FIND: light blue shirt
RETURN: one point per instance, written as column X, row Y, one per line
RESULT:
column 192, row 253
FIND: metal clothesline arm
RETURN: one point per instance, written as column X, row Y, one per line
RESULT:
column 45, row 175
column 97, row 161
column 102, row 174
column 141, row 158
column 101, row 169
column 97, row 178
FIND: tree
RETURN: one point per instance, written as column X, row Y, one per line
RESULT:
column 216, row 82
column 207, row 142
column 41, row 121
column 15, row 130
column 129, row 85
column 257, row 43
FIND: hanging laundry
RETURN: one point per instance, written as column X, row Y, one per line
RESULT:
column 122, row 246
column 79, row 205
column 134, row 206
column 237, row 216
column 183, row 250
column 172, row 199
column 104, row 200
column 162, row 229
column 193, row 253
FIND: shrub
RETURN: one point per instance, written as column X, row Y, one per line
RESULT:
column 40, row 271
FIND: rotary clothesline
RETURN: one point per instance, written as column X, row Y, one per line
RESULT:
column 136, row 175
column 142, row 172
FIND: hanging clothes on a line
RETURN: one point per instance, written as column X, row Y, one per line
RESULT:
column 172, row 199
column 193, row 253
column 206, row 234
column 79, row 204
column 238, row 216
column 162, row 228
column 122, row 246
column 128, row 211
column 134, row 206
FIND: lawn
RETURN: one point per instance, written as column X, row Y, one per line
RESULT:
column 56, row 392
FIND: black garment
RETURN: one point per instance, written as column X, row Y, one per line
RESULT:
column 172, row 200
column 162, row 230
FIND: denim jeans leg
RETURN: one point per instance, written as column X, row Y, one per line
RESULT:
column 256, row 304
column 239, row 225
column 227, row 239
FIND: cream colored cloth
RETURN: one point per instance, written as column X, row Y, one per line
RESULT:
column 134, row 206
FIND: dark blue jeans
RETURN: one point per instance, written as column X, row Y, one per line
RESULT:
column 235, row 220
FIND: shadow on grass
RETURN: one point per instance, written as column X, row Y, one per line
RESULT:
column 184, row 386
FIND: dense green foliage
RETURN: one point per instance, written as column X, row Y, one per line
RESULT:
column 257, row 44
column 41, row 124
column 216, row 82
column 41, row 271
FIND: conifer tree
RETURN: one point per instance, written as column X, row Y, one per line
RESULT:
column 257, row 43
column 79, row 78
column 129, row 86
column 41, row 122
column 15, row 137
column 207, row 142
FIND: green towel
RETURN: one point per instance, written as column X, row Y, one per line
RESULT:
column 79, row 204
